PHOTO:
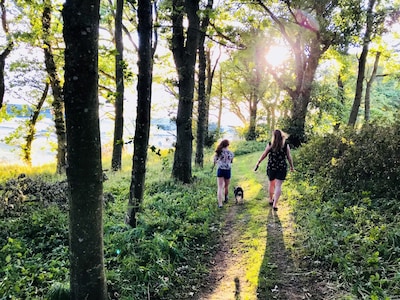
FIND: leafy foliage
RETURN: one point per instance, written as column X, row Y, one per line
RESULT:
column 246, row 147
column 350, row 232
column 159, row 253
column 165, row 256
column 359, row 162
column 35, row 249
column 349, row 214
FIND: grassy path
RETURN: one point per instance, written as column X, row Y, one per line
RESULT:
column 255, row 259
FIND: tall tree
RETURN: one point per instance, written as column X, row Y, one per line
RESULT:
column 84, row 171
column 6, row 51
column 119, row 99
column 210, row 75
column 184, row 49
column 142, row 129
column 44, row 33
column 246, row 78
column 58, row 98
column 362, row 61
column 307, row 44
column 203, row 92
column 31, row 123
column 309, row 29
column 370, row 81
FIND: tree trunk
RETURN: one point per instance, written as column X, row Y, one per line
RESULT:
column 220, row 102
column 142, row 130
column 361, row 65
column 256, row 93
column 298, row 119
column 119, row 99
column 301, row 95
column 184, row 52
column 202, row 106
column 27, row 149
column 84, row 171
column 210, row 78
column 251, row 134
column 306, row 57
column 202, row 92
column 58, row 99
column 369, row 86
column 5, row 52
column 359, row 86
column 340, row 96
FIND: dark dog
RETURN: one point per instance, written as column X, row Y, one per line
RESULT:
column 239, row 195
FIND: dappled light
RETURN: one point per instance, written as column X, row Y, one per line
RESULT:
column 122, row 121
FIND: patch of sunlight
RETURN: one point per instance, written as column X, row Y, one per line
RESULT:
column 253, row 240
column 255, row 259
column 248, row 254
column 251, row 188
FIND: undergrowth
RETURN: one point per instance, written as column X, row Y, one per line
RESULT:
column 347, row 208
column 343, row 196
column 165, row 257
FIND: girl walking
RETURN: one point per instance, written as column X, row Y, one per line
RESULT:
column 223, row 159
column 278, row 152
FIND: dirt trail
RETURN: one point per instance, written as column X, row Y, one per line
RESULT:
column 224, row 282
column 271, row 271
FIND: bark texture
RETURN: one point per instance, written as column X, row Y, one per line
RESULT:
column 184, row 49
column 27, row 149
column 120, row 88
column 203, row 95
column 5, row 52
column 142, row 130
column 84, row 171
column 58, row 97
column 362, row 61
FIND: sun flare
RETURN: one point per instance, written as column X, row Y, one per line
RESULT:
column 277, row 55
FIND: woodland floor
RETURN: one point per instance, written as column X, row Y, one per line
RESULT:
column 279, row 273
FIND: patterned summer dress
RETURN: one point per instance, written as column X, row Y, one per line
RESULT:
column 277, row 159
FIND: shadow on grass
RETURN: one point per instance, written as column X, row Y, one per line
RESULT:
column 271, row 279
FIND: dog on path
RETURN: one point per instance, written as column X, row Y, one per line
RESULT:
column 239, row 194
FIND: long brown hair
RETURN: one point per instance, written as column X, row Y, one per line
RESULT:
column 223, row 144
column 278, row 140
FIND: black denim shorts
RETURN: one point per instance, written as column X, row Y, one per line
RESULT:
column 277, row 174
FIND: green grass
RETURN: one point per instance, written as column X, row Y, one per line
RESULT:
column 165, row 256
column 355, row 238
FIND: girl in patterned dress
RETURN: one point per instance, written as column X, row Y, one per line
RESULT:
column 279, row 152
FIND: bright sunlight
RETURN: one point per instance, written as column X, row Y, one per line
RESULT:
column 277, row 55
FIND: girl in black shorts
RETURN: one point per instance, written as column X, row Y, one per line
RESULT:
column 279, row 152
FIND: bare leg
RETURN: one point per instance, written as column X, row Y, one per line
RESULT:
column 227, row 181
column 278, row 191
column 220, row 192
column 271, row 190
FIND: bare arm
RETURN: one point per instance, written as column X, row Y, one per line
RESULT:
column 263, row 155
